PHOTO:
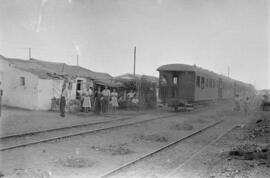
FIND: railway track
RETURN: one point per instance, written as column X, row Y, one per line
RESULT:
column 59, row 128
column 174, row 172
column 101, row 126
column 151, row 154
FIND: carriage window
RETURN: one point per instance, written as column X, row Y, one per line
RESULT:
column 175, row 80
column 198, row 81
column 163, row 80
column 202, row 83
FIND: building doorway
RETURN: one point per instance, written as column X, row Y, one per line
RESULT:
column 78, row 88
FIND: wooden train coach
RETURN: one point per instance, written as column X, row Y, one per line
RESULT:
column 180, row 84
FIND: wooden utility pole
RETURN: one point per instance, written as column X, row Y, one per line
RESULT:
column 77, row 60
column 134, row 65
column 29, row 53
column 228, row 71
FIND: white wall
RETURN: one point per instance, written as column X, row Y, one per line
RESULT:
column 45, row 94
column 36, row 94
column 47, row 89
column 14, row 93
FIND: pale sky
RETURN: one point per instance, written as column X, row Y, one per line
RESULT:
column 213, row 34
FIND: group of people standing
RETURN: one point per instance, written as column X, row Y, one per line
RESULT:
column 105, row 98
column 99, row 101
column 238, row 100
column 246, row 102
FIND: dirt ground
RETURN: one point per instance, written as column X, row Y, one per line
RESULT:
column 95, row 154
column 244, row 152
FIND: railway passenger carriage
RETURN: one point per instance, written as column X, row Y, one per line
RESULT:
column 181, row 83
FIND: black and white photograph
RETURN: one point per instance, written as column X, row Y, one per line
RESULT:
column 134, row 88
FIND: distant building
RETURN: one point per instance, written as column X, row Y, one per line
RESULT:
column 31, row 84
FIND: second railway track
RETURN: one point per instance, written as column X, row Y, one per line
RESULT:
column 128, row 165
column 20, row 140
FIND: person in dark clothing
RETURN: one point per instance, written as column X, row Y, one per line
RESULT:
column 106, row 93
column 63, row 99
column 97, row 102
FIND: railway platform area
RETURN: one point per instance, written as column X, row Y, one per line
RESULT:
column 16, row 121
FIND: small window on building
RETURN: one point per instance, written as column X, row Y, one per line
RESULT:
column 202, row 83
column 22, row 81
column 198, row 81
column 214, row 84
column 206, row 84
column 175, row 80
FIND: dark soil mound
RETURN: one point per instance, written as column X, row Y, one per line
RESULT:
column 153, row 137
column 182, row 126
column 75, row 162
column 120, row 149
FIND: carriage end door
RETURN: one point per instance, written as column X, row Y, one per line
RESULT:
column 175, row 86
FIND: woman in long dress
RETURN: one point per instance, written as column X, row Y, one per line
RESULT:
column 87, row 100
column 114, row 96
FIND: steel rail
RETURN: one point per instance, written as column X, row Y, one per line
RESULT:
column 110, row 173
column 83, row 133
column 173, row 172
column 61, row 128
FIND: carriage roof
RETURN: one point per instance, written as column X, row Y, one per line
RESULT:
column 185, row 67
column 198, row 70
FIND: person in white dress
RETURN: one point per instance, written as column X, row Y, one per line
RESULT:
column 114, row 100
column 87, row 99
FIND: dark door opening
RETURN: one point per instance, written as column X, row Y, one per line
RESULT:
column 78, row 88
